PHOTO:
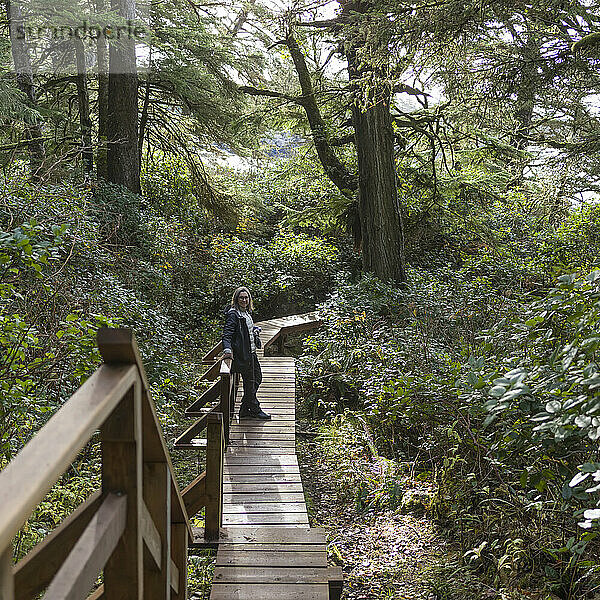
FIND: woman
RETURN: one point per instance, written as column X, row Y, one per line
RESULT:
column 239, row 342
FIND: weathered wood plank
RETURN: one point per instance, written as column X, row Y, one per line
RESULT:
column 258, row 478
column 228, row 488
column 273, row 547
column 258, row 443
column 257, row 469
column 273, row 459
column 194, row 495
column 7, row 584
column 263, row 497
column 269, row 426
column 268, row 535
column 264, row 507
column 270, row 559
column 77, row 574
column 150, row 534
column 179, row 542
column 272, row 574
column 249, row 591
column 35, row 571
column 261, row 451
column 265, row 519
column 210, row 395
column 262, row 435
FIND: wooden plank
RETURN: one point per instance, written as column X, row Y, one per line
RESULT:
column 29, row 476
column 273, row 459
column 210, row 395
column 157, row 502
column 270, row 559
column 194, row 495
column 272, row 574
column 179, row 542
column 249, row 426
column 261, row 443
column 174, row 579
column 150, row 534
column 7, row 584
column 229, row 488
column 261, row 451
column 273, row 525
column 257, row 469
column 226, row 389
column 258, row 478
column 35, row 571
column 197, row 428
column 248, row 591
column 269, row 535
column 212, row 372
column 265, row 519
column 213, row 352
column 262, row 497
column 262, row 435
column 121, row 438
column 264, row 507
column 80, row 570
column 273, row 548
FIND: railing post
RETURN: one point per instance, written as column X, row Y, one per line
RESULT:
column 157, row 495
column 7, row 584
column 225, row 404
column 232, row 394
column 122, row 474
column 213, row 514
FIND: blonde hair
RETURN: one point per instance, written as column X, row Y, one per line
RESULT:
column 236, row 294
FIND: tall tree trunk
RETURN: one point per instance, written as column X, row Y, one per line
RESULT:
column 83, row 103
column 24, row 74
column 102, row 62
column 123, row 159
column 380, row 218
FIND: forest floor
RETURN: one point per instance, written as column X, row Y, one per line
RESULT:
column 384, row 554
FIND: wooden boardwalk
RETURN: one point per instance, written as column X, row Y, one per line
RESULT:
column 267, row 549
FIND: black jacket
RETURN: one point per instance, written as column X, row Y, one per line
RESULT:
column 237, row 338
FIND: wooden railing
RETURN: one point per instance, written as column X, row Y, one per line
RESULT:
column 135, row 528
column 215, row 411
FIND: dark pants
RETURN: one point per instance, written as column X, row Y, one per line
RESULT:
column 252, row 378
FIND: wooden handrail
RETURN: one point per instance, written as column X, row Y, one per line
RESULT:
column 32, row 473
column 139, row 505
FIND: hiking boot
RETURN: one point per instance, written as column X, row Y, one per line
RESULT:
column 261, row 415
column 245, row 412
